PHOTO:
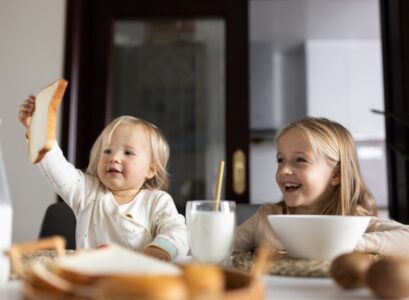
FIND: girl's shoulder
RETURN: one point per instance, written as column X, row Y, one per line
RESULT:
column 271, row 209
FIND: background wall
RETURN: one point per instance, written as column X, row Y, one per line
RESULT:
column 31, row 56
column 319, row 58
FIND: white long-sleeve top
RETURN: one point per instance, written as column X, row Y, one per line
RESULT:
column 382, row 236
column 151, row 218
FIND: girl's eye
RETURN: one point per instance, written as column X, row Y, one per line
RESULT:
column 301, row 159
column 279, row 160
column 128, row 152
column 107, row 151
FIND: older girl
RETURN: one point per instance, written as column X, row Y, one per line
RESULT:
column 318, row 173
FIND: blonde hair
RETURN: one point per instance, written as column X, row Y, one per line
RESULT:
column 159, row 151
column 332, row 141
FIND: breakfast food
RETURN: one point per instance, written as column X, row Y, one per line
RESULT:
column 204, row 281
column 115, row 272
column 349, row 269
column 114, row 260
column 142, row 288
column 112, row 272
column 389, row 277
column 42, row 130
column 41, row 278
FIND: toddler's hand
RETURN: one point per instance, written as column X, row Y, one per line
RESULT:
column 26, row 110
column 157, row 253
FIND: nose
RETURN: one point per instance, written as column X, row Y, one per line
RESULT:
column 284, row 169
column 115, row 156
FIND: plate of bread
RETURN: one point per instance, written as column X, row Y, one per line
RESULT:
column 116, row 272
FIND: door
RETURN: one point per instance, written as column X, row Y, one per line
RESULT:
column 182, row 65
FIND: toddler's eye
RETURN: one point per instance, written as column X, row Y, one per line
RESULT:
column 301, row 159
column 279, row 160
column 107, row 151
column 127, row 152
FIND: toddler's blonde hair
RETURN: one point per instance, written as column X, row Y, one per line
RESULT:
column 333, row 142
column 159, row 151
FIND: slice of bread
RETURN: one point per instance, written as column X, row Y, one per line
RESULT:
column 42, row 130
column 111, row 261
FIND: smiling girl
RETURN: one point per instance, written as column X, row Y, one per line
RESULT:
column 120, row 198
column 318, row 173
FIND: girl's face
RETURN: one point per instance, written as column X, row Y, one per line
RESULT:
column 304, row 179
column 125, row 161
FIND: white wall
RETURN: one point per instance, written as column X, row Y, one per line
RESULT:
column 31, row 56
column 344, row 82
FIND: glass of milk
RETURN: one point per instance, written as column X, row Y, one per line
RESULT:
column 211, row 229
column 5, row 222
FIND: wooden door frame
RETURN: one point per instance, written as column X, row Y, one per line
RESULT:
column 395, row 47
column 86, row 106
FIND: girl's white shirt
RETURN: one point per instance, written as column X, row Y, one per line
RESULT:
column 151, row 218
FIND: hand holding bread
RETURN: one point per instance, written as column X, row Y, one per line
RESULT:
column 39, row 116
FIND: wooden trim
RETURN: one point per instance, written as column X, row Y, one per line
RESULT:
column 237, row 97
column 395, row 41
column 73, row 44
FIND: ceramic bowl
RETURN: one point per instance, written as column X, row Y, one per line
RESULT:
column 318, row 237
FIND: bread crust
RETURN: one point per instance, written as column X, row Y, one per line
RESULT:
column 49, row 131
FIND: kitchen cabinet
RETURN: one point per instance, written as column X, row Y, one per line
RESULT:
column 344, row 82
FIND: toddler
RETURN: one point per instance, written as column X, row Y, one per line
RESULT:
column 120, row 198
column 318, row 173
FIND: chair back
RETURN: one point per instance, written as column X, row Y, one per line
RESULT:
column 59, row 219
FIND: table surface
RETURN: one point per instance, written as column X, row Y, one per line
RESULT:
column 277, row 287
column 284, row 287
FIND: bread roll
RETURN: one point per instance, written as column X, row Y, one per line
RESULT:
column 204, row 281
column 42, row 130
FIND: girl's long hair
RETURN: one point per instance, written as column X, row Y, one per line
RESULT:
column 332, row 141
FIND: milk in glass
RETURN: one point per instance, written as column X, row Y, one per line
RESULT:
column 211, row 235
column 5, row 222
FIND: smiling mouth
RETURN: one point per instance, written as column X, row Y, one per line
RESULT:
column 291, row 187
column 113, row 171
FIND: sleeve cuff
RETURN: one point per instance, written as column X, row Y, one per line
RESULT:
column 165, row 245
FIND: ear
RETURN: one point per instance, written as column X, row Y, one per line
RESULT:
column 336, row 176
column 151, row 171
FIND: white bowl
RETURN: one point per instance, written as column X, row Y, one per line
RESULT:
column 320, row 237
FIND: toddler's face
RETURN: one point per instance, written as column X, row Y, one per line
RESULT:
column 125, row 161
column 303, row 178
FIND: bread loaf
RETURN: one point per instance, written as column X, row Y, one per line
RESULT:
column 42, row 130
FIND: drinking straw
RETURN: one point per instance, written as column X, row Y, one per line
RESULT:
column 219, row 184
